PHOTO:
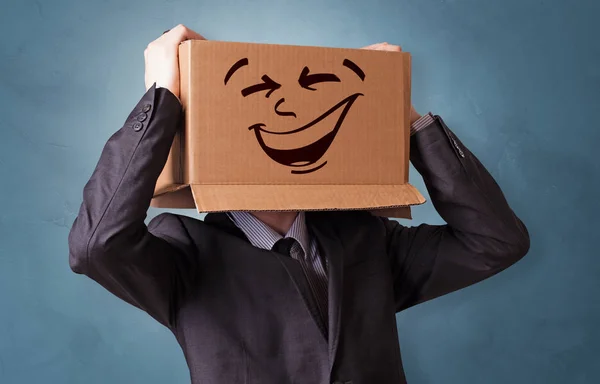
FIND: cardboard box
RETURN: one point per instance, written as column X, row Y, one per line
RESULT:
column 276, row 127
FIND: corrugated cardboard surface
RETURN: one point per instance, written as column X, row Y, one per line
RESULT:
column 271, row 127
column 182, row 198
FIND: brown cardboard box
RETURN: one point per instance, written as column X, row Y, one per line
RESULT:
column 275, row 127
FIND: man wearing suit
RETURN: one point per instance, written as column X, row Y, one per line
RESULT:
column 316, row 307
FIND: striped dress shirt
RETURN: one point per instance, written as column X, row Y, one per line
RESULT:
column 304, row 249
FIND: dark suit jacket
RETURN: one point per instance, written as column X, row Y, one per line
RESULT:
column 244, row 315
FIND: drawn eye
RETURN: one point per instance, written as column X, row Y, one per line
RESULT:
column 267, row 84
column 307, row 80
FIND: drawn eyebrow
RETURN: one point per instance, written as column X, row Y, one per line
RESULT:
column 305, row 80
column 239, row 64
column 267, row 84
column 354, row 68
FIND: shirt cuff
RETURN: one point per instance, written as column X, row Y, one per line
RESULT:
column 424, row 121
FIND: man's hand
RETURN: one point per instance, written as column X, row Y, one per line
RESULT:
column 414, row 116
column 162, row 58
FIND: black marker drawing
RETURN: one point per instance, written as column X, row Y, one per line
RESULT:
column 310, row 154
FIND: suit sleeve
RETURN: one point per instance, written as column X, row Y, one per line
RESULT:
column 149, row 267
column 482, row 237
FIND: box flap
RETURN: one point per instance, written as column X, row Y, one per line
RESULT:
column 179, row 198
column 261, row 197
column 182, row 198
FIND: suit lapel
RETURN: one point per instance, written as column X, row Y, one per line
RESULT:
column 292, row 267
column 331, row 248
column 294, row 270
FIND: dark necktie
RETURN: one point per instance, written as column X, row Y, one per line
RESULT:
column 284, row 246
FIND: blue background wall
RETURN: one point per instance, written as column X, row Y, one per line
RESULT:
column 518, row 80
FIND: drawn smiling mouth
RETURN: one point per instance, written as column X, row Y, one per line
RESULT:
column 308, row 154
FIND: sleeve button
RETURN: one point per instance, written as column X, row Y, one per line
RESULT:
column 141, row 117
column 146, row 108
column 137, row 126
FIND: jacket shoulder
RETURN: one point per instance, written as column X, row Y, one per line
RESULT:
column 350, row 221
column 172, row 227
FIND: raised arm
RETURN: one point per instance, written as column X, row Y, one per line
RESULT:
column 482, row 237
column 109, row 241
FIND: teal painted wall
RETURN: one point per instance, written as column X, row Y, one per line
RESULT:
column 517, row 80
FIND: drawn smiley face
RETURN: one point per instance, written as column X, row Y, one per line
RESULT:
column 303, row 159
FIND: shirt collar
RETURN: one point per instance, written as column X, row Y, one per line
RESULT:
column 262, row 236
column 299, row 232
